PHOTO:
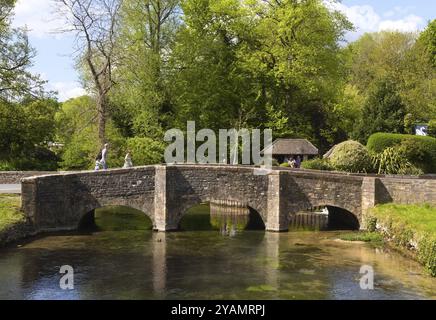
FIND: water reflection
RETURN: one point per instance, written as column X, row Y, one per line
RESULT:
column 142, row 264
column 229, row 220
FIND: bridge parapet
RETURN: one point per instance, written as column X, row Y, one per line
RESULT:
column 166, row 192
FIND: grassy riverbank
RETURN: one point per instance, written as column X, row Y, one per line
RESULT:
column 411, row 227
column 10, row 213
column 373, row 237
column 13, row 224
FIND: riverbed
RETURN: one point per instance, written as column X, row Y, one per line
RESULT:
column 124, row 259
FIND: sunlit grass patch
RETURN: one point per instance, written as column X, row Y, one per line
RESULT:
column 362, row 236
column 10, row 211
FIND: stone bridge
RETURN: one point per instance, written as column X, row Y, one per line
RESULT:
column 165, row 192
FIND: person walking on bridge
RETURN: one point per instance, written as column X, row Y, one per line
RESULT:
column 104, row 156
column 128, row 160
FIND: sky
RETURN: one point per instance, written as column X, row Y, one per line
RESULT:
column 54, row 60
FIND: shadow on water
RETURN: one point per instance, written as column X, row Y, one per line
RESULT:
column 227, row 220
column 325, row 218
column 114, row 218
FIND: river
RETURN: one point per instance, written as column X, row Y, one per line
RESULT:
column 124, row 259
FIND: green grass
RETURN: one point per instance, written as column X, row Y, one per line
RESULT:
column 418, row 217
column 10, row 211
column 362, row 236
column 408, row 224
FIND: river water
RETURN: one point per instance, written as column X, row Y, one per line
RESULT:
column 206, row 260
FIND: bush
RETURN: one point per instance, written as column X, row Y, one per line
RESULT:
column 146, row 151
column 420, row 151
column 284, row 164
column 317, row 164
column 351, row 156
column 393, row 161
column 432, row 128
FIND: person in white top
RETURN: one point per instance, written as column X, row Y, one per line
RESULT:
column 128, row 161
column 104, row 156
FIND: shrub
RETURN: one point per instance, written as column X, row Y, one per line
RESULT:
column 393, row 161
column 420, row 151
column 432, row 128
column 317, row 164
column 146, row 151
column 284, row 164
column 351, row 156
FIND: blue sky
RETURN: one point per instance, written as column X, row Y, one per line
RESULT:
column 55, row 63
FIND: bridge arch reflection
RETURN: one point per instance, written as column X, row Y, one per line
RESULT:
column 115, row 218
column 228, row 220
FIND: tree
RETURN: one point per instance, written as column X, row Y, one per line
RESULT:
column 141, row 101
column 15, row 58
column 384, row 111
column 26, row 129
column 95, row 23
column 78, row 133
column 401, row 57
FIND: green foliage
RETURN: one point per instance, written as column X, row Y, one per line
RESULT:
column 16, row 54
column 420, row 151
column 350, row 156
column 371, row 223
column 410, row 227
column 275, row 163
column 146, row 151
column 26, row 128
column 432, row 128
column 284, row 165
column 10, row 213
column 362, row 236
column 394, row 161
column 400, row 58
column 428, row 40
column 239, row 64
column 77, row 131
column 317, row 164
column 383, row 111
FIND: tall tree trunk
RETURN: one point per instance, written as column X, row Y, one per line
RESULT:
column 101, row 107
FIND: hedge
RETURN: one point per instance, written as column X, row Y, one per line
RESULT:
column 420, row 150
column 317, row 164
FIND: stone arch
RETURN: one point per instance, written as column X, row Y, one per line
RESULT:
column 184, row 206
column 86, row 215
column 340, row 218
column 344, row 215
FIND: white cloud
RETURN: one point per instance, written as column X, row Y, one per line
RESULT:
column 39, row 17
column 366, row 19
column 407, row 24
column 67, row 90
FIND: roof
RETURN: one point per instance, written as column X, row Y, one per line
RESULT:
column 292, row 146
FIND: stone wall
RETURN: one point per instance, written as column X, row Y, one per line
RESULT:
column 14, row 177
column 164, row 193
column 305, row 190
column 189, row 185
column 59, row 202
column 405, row 190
